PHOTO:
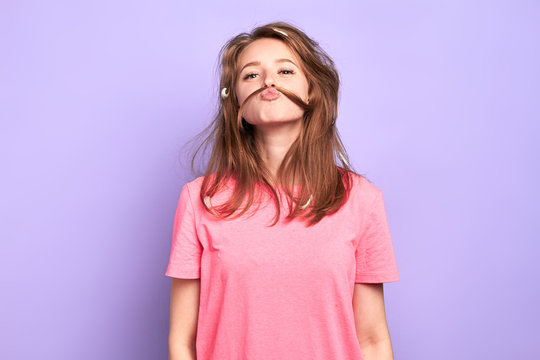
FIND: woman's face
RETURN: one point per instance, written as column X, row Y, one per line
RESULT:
column 270, row 62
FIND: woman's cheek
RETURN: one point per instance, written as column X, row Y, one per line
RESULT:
column 243, row 94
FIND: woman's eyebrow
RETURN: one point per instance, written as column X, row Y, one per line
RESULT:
column 254, row 63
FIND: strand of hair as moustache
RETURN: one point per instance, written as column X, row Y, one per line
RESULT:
column 292, row 96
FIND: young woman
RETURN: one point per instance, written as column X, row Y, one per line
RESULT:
column 248, row 282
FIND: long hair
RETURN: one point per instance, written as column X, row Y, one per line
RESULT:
column 313, row 156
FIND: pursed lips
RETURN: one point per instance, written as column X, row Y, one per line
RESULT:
column 269, row 94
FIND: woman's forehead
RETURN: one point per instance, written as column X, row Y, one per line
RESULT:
column 266, row 49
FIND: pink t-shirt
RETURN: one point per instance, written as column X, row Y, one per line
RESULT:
column 282, row 292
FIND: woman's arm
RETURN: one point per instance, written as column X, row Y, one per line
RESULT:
column 185, row 295
column 370, row 320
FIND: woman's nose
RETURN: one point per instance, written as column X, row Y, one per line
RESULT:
column 269, row 81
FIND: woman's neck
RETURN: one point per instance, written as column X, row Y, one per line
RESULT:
column 274, row 140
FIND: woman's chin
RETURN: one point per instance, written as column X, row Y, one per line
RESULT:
column 274, row 121
column 275, row 117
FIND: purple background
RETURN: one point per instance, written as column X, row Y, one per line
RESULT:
column 438, row 107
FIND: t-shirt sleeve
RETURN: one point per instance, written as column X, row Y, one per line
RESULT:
column 375, row 258
column 186, row 249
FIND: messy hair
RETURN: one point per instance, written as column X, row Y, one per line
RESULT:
column 313, row 156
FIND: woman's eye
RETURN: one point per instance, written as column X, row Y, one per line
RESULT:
column 249, row 76
column 253, row 75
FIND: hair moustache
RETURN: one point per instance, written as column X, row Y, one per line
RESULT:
column 291, row 95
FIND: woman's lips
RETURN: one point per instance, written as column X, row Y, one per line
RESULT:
column 269, row 94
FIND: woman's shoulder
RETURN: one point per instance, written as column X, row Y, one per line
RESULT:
column 363, row 190
column 195, row 184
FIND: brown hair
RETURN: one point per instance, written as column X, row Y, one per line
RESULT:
column 312, row 156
